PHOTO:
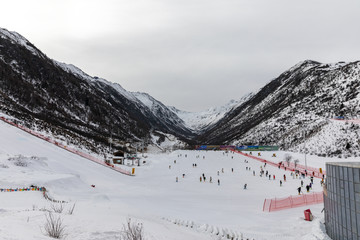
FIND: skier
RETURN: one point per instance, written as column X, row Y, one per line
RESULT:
column 232, row 170
column 253, row 173
column 218, row 181
column 269, row 176
column 177, row 179
column 302, row 183
column 284, row 178
column 175, row 161
column 280, row 183
column 312, row 180
column 200, row 178
column 307, row 188
column 222, row 170
column 218, row 173
column 210, row 179
column 169, row 166
column 274, row 177
column 245, row 185
column 299, row 190
column 183, row 175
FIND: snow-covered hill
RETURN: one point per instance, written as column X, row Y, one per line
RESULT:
column 167, row 209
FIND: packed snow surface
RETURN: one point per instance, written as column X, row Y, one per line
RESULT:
column 152, row 197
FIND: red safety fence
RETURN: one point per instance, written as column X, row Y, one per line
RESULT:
column 277, row 204
column 77, row 152
column 311, row 171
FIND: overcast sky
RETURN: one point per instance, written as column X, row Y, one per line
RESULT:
column 191, row 54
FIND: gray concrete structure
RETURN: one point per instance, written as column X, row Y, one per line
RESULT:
column 342, row 200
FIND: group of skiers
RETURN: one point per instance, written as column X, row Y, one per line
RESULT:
column 308, row 186
column 263, row 172
column 203, row 178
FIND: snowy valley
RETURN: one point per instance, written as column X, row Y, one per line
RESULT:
column 168, row 209
column 309, row 111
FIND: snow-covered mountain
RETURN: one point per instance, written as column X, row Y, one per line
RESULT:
column 293, row 110
column 296, row 108
column 60, row 98
column 200, row 121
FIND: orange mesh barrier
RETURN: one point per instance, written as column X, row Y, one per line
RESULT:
column 311, row 171
column 277, row 204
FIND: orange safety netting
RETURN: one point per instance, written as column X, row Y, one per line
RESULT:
column 276, row 204
column 311, row 171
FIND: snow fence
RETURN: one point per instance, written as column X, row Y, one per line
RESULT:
column 77, row 152
column 276, row 204
column 315, row 172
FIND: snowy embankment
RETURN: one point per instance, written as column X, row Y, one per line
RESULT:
column 153, row 197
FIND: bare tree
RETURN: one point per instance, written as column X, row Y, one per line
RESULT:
column 296, row 161
column 54, row 226
column 288, row 158
column 58, row 208
column 132, row 231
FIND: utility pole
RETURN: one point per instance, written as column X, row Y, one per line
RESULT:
column 110, row 139
column 305, row 152
column 139, row 157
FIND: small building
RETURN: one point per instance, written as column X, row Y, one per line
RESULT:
column 119, row 157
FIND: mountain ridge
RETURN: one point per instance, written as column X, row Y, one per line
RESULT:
column 292, row 108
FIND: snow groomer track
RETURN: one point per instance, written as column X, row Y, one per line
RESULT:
column 74, row 151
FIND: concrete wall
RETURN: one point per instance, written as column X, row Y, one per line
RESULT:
column 342, row 201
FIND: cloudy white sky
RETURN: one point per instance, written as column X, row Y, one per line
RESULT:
column 191, row 54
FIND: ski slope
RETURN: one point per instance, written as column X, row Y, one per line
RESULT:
column 153, row 197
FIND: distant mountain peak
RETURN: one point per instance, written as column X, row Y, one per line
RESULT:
column 200, row 121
